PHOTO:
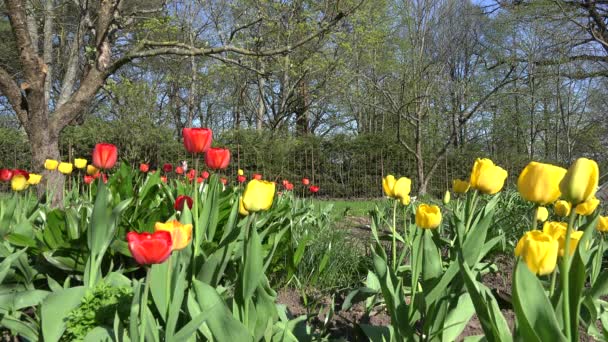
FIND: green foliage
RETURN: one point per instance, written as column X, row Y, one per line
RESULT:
column 98, row 308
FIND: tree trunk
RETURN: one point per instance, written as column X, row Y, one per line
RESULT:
column 45, row 145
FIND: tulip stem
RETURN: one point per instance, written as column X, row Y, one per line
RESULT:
column 533, row 221
column 553, row 279
column 143, row 306
column 565, row 273
column 471, row 211
column 197, row 228
column 394, row 249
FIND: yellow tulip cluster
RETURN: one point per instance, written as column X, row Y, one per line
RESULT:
column 486, row 177
column 65, row 167
column 544, row 184
column 398, row 189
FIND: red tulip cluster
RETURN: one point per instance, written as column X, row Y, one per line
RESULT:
column 288, row 186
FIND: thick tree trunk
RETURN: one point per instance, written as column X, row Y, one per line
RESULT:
column 45, row 145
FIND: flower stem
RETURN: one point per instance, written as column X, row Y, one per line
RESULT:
column 143, row 306
column 471, row 211
column 196, row 225
column 565, row 273
column 394, row 227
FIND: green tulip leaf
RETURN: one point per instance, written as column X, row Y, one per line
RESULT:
column 54, row 310
column 535, row 315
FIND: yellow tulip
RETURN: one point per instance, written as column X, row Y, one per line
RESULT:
column 446, row 197
column 562, row 208
column 539, row 182
column 539, row 251
column 428, row 216
column 80, row 163
column 241, row 172
column 388, row 183
column 92, row 170
column 487, row 177
column 557, row 230
column 19, row 183
column 397, row 189
column 580, row 182
column 258, row 195
column 588, row 207
column 65, row 168
column 542, row 214
column 50, row 164
column 181, row 234
column 603, row 224
column 242, row 209
column 460, row 186
column 34, row 179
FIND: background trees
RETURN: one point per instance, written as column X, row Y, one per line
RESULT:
column 425, row 85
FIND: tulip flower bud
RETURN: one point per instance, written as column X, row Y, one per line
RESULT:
column 197, row 140
column 180, row 200
column 6, row 175
column 258, row 195
column 562, row 208
column 257, row 176
column 50, row 164
column 240, row 172
column 580, row 182
column 241, row 179
column 34, row 179
column 217, row 158
column 92, row 170
column 460, row 186
column 542, row 214
column 149, row 248
column 143, row 167
column 539, row 251
column 105, row 155
column 65, row 168
column 487, row 177
column 446, row 197
column 19, row 182
column 588, row 207
column 603, row 224
column 80, row 163
column 181, row 234
column 428, row 216
column 242, row 209
column 539, row 183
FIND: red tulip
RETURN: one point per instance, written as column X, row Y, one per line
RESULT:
column 167, row 167
column 144, row 167
column 105, row 155
column 305, row 181
column 314, row 189
column 257, row 176
column 241, row 179
column 197, row 140
column 149, row 248
column 191, row 174
column 217, row 158
column 285, row 182
column 199, row 180
column 21, row 172
column 224, row 180
column 163, row 179
column 205, row 174
column 6, row 175
column 179, row 202
column 88, row 179
column 179, row 170
column 288, row 186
